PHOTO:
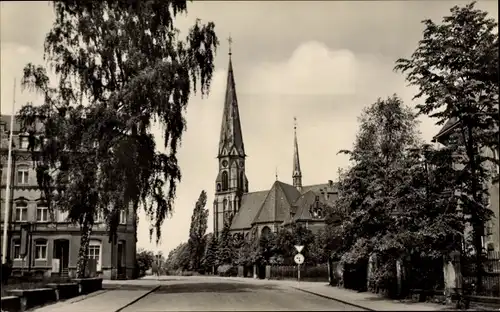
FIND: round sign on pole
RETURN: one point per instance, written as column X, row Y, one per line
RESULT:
column 299, row 258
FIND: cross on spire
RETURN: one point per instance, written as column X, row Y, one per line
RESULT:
column 230, row 41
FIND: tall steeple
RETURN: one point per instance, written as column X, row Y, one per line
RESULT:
column 231, row 182
column 297, row 173
column 231, row 139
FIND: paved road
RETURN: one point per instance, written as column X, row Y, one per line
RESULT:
column 213, row 293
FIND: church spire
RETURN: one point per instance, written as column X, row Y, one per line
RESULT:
column 231, row 139
column 297, row 173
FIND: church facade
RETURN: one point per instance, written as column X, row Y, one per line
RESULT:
column 262, row 211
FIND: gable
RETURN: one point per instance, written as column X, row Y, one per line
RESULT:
column 277, row 206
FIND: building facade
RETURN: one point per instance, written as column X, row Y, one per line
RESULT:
column 491, row 238
column 264, row 211
column 53, row 244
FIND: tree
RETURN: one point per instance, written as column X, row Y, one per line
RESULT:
column 210, row 256
column 178, row 259
column 455, row 67
column 145, row 259
column 225, row 254
column 243, row 253
column 316, row 252
column 385, row 203
column 126, row 61
column 285, row 249
column 197, row 231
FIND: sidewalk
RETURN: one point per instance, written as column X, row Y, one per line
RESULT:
column 105, row 300
column 364, row 300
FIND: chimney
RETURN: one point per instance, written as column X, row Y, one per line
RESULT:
column 330, row 183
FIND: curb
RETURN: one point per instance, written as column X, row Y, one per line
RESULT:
column 137, row 299
column 83, row 297
column 331, row 298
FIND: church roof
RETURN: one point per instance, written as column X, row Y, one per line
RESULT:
column 296, row 160
column 250, row 204
column 277, row 205
column 231, row 138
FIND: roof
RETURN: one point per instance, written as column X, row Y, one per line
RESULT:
column 296, row 160
column 250, row 204
column 277, row 206
column 231, row 138
column 317, row 188
column 305, row 202
column 447, row 128
column 279, row 203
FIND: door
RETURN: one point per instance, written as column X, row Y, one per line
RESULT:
column 64, row 254
column 121, row 258
column 61, row 252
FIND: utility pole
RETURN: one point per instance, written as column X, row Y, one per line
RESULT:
column 9, row 174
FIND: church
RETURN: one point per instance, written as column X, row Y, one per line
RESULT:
column 262, row 211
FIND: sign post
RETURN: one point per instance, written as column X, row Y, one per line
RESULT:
column 299, row 259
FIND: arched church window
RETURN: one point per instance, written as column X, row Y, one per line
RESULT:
column 224, row 205
column 240, row 183
column 225, row 181
column 218, row 187
column 266, row 231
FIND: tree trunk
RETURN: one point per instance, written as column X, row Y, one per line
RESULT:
column 86, row 231
column 477, row 224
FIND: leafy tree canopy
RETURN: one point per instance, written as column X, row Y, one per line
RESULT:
column 455, row 67
column 197, row 231
column 120, row 66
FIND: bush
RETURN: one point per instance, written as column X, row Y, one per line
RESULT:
column 227, row 270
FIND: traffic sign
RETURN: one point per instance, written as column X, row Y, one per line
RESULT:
column 299, row 258
column 299, row 248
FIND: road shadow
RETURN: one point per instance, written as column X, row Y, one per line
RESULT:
column 211, row 287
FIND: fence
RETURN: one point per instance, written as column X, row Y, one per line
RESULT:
column 317, row 273
column 491, row 276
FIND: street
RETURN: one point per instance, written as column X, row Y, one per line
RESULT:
column 212, row 294
column 204, row 293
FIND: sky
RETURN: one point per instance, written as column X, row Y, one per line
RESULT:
column 322, row 62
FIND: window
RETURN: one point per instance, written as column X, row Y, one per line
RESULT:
column 225, row 181
column 41, row 250
column 16, row 249
column 95, row 252
column 62, row 216
column 98, row 218
column 218, row 187
column 123, row 216
column 24, row 142
column 21, row 212
column 42, row 214
column 22, row 175
column 241, row 181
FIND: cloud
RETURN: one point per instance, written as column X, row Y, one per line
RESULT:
column 312, row 69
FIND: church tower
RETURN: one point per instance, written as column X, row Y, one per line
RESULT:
column 297, row 174
column 231, row 182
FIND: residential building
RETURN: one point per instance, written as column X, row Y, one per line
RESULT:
column 491, row 239
column 53, row 244
column 264, row 211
